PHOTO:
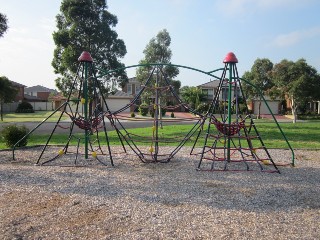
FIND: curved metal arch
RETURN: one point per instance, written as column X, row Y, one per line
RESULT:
column 106, row 72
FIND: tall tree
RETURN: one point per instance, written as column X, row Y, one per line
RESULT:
column 3, row 24
column 7, row 93
column 158, row 51
column 298, row 81
column 86, row 25
column 260, row 76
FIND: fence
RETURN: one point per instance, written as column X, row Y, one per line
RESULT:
column 37, row 106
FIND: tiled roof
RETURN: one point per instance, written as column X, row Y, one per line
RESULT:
column 39, row 88
column 211, row 84
column 17, row 84
column 120, row 94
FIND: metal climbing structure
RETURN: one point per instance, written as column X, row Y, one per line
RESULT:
column 159, row 97
column 232, row 140
column 87, row 112
column 227, row 134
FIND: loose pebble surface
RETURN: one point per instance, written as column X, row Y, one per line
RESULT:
column 135, row 200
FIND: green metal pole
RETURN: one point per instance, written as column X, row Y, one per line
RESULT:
column 229, row 107
column 85, row 96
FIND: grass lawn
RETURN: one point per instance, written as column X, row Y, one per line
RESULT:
column 300, row 135
column 37, row 116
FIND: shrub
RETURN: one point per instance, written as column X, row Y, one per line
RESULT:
column 172, row 115
column 24, row 107
column 202, row 108
column 13, row 133
column 143, row 109
column 242, row 108
column 163, row 111
column 132, row 114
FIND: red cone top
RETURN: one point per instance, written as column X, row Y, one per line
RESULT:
column 85, row 57
column 230, row 58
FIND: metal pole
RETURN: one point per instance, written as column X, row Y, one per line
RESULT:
column 85, row 96
column 229, row 107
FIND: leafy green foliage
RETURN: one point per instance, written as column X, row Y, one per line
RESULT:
column 86, row 25
column 298, row 81
column 7, row 93
column 3, row 24
column 24, row 107
column 143, row 109
column 157, row 51
column 203, row 107
column 259, row 76
column 192, row 96
column 11, row 134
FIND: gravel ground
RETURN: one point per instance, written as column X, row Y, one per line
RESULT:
column 171, row 200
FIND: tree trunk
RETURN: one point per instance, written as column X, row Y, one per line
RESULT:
column 1, row 111
column 259, row 110
column 294, row 111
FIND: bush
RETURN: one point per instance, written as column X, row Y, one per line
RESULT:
column 163, row 111
column 12, row 134
column 202, row 108
column 24, row 107
column 132, row 114
column 172, row 115
column 143, row 109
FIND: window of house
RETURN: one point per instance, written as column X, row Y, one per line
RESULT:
column 129, row 88
column 138, row 88
column 225, row 94
column 238, row 93
column 210, row 94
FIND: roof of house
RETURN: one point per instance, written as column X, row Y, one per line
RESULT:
column 211, row 84
column 17, row 84
column 39, row 88
column 120, row 94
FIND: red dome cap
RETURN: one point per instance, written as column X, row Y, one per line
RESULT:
column 85, row 57
column 230, row 58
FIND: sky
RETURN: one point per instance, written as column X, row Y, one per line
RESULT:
column 202, row 33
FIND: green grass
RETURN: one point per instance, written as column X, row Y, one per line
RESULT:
column 37, row 116
column 300, row 135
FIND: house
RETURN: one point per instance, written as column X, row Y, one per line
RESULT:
column 20, row 94
column 38, row 93
column 210, row 89
column 115, row 101
column 119, row 100
column 132, row 87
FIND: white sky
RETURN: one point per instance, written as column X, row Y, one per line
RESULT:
column 202, row 33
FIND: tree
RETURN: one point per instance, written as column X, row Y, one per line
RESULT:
column 297, row 81
column 158, row 51
column 260, row 76
column 86, row 25
column 3, row 24
column 7, row 93
column 192, row 95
